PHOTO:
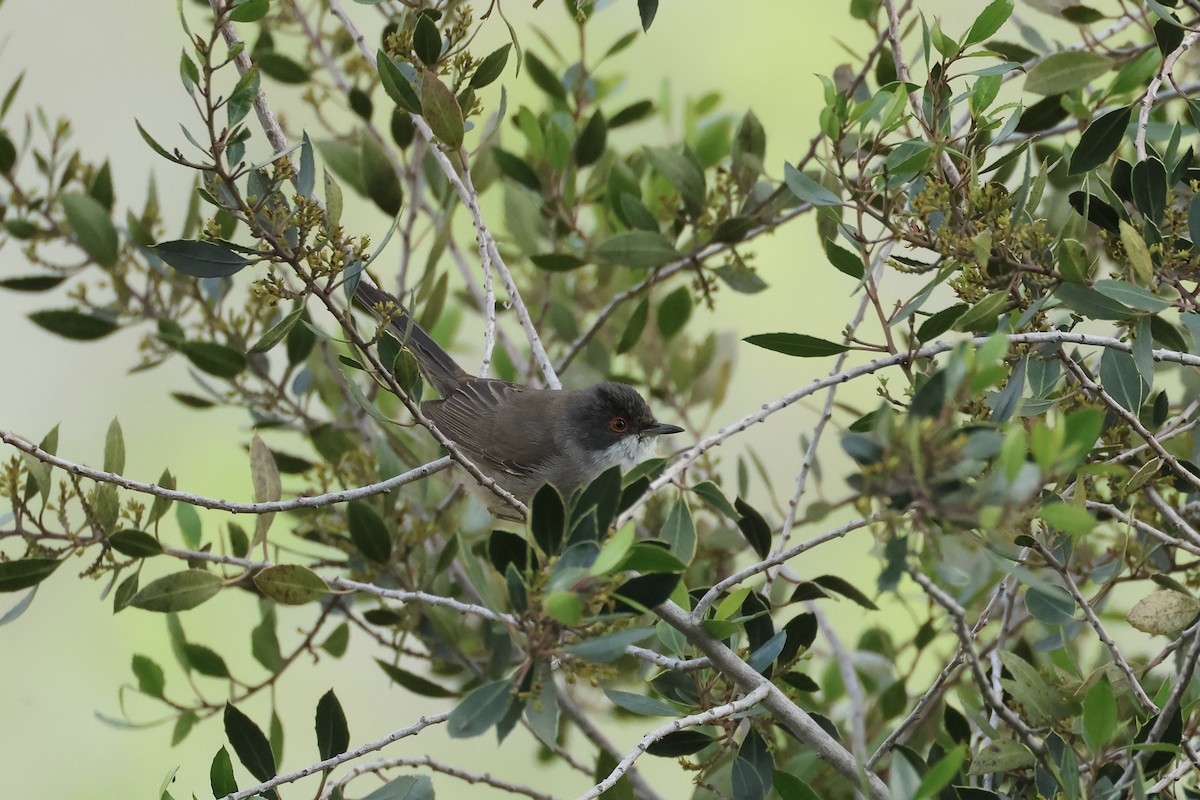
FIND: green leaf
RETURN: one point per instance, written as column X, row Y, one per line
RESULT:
column 280, row 67
column 220, row 772
column 808, row 190
column 93, row 228
column 337, row 641
column 31, row 283
column 1131, row 295
column 544, row 77
column 752, row 769
column 18, row 575
column 681, row 172
column 646, row 11
column 442, row 113
column 333, row 734
column 379, row 177
column 406, row 787
column 674, row 312
column 201, row 259
column 989, row 21
column 843, row 260
column 213, row 358
column 515, row 167
column 274, row 335
column 490, row 68
column 1050, row 604
column 591, row 142
column 114, row 448
column 479, row 710
column 609, row 647
column 8, row 153
column 205, row 661
column 563, row 607
column 1091, row 303
column 641, row 704
column 796, row 344
column 368, row 531
column 557, row 262
column 680, row 743
column 1120, row 378
column 396, row 85
column 981, row 317
column 135, row 544
column 1099, row 141
column 151, row 680
column 1064, row 72
column 250, row 745
column 248, row 11
column 843, row 587
column 650, row 557
column 1137, row 252
column 754, row 527
column 940, row 774
column 73, row 324
column 1099, row 714
column 940, row 322
column 1001, row 755
column 413, row 682
column 679, row 532
column 291, row 584
column 790, row 787
column 643, row 249
column 178, row 591
column 427, row 40
column 635, row 326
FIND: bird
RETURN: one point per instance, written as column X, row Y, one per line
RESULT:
column 523, row 437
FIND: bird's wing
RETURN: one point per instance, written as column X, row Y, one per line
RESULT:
column 487, row 420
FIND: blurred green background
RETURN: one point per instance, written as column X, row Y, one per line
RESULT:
column 64, row 661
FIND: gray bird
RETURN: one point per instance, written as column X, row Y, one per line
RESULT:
column 519, row 436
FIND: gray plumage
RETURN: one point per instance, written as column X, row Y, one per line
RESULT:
column 522, row 437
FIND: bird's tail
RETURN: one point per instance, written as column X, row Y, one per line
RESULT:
column 442, row 371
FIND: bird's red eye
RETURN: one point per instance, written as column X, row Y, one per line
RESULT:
column 618, row 425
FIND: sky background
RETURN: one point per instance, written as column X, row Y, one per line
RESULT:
column 62, row 663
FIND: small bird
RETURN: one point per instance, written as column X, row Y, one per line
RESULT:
column 519, row 436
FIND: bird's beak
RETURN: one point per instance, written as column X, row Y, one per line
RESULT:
column 661, row 429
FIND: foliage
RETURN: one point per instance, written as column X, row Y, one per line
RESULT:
column 1027, row 481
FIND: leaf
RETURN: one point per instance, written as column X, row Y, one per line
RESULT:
column 752, row 769
column 1099, row 714
column 490, row 68
column 680, row 743
column 548, row 519
column 280, row 67
column 291, row 584
column 379, row 177
column 844, row 261
column 333, row 734
column 1137, row 252
column 442, row 113
column 214, row 358
column 1064, row 72
column 275, row 334
column 479, row 710
column 249, row 11
column 843, row 587
column 1120, row 378
column 92, row 226
column 713, row 495
column 205, row 661
column 989, row 21
column 73, row 324
column 754, row 527
column 635, row 326
column 591, row 142
column 564, row 607
column 557, row 262
column 799, row 345
column 1163, row 612
column 544, row 77
column 427, row 40
column 200, row 259
column 644, row 592
column 368, row 531
column 1051, row 604
column 940, row 774
column 674, row 311
column 220, row 772
column 641, row 704
column 31, row 283
column 1099, row 141
column 681, row 172
column 178, row 591
column 981, row 317
column 406, row 787
column 1001, row 755
column 250, row 745
column 135, row 544
column 396, row 85
column 791, row 787
column 646, row 11
column 643, row 249
column 1090, row 303
column 1068, row 518
column 413, row 682
column 808, row 190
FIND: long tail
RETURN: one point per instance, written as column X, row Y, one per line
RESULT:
column 442, row 371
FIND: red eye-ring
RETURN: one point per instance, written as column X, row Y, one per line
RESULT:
column 618, row 425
